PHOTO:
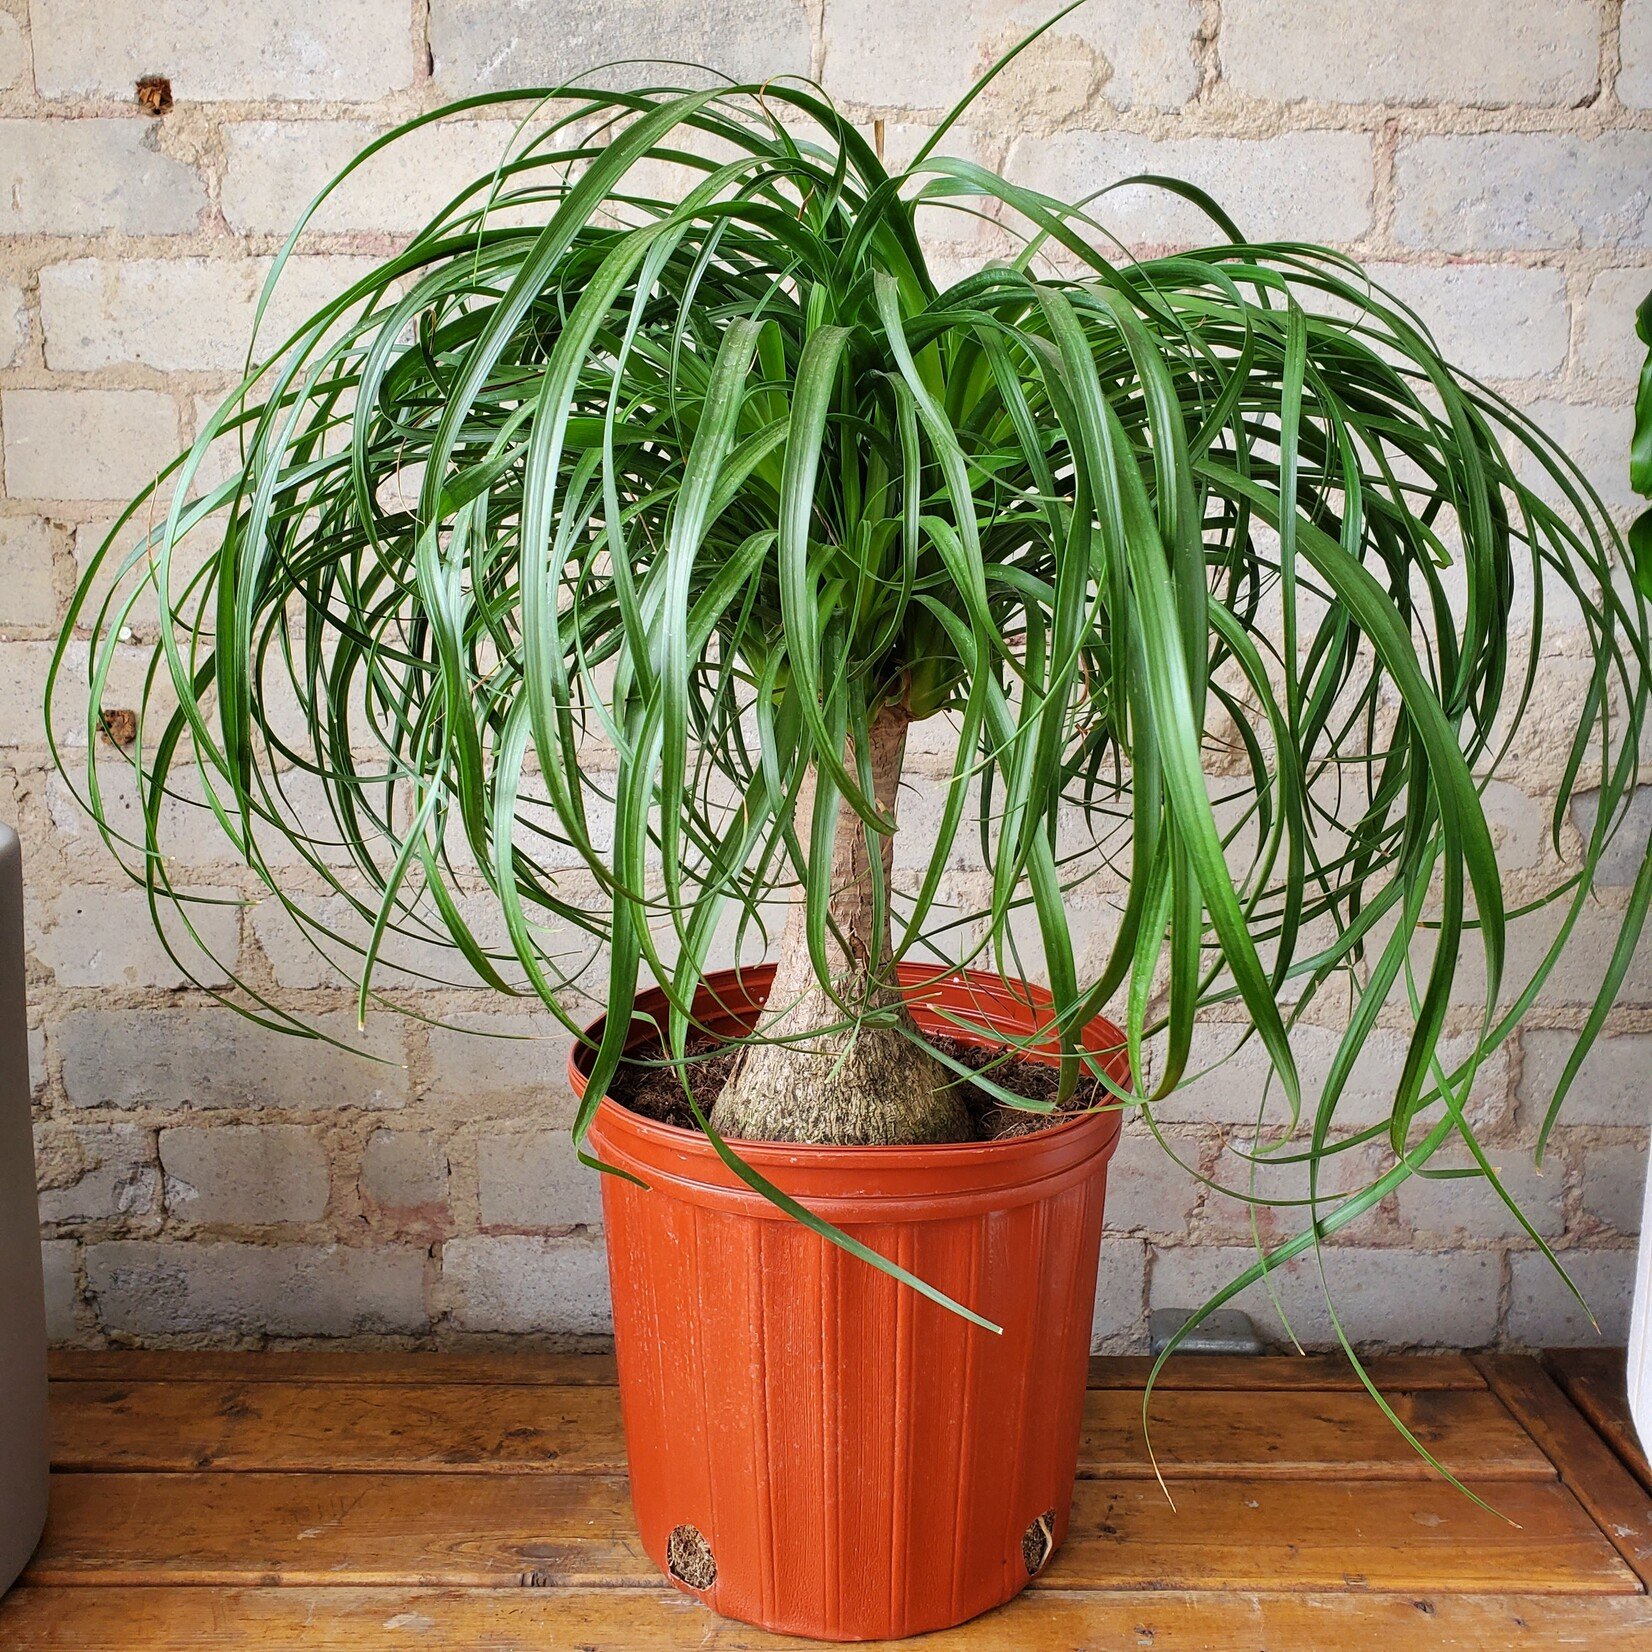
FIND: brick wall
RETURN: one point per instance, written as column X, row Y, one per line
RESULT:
column 203, row 1180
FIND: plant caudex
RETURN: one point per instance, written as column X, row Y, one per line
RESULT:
column 584, row 568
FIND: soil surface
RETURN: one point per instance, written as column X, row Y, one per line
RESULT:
column 657, row 1092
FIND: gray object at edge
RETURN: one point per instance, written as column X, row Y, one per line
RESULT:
column 23, row 1451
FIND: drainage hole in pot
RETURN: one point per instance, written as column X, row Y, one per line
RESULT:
column 689, row 1559
column 1037, row 1541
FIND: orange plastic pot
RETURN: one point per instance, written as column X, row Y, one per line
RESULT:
column 855, row 1461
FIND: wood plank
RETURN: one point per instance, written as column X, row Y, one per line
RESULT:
column 508, row 1531
column 128, row 1619
column 528, row 1429
column 326, row 1365
column 1184, row 1371
column 1593, row 1380
column 1585, row 1463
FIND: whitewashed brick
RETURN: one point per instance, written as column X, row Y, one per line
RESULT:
column 188, row 831
column 1607, row 348
column 1466, row 1209
column 28, row 586
column 1497, row 321
column 1614, row 1085
column 1612, row 1176
column 1543, row 1313
column 1635, row 45
column 179, row 314
column 1411, row 51
column 483, row 45
column 533, row 1179
column 162, row 1288
column 1119, row 1323
column 23, row 690
column 404, row 1175
column 91, row 937
column 1298, row 186
column 349, row 49
column 274, row 169
column 95, row 1175
column 518, row 1282
column 1386, row 1298
column 1597, row 439
column 14, row 55
column 14, row 320
column 83, row 177
column 1524, row 189
column 244, row 1175
column 59, row 1261
column 215, row 1058
column 86, row 444
column 1135, row 55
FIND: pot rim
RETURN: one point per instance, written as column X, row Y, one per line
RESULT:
column 869, row 1183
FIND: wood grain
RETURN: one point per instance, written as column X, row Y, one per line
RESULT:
column 515, row 1429
column 510, row 1531
column 1196, row 1371
column 1611, row 1494
column 1593, row 1380
column 142, row 1619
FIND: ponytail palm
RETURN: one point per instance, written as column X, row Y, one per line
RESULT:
column 614, row 538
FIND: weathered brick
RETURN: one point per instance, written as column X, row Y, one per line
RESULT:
column 1468, row 1209
column 1612, row 1177
column 1502, row 190
column 86, row 444
column 1611, row 1087
column 490, row 1061
column 160, row 1288
column 519, row 1282
column 23, row 690
column 14, row 320
column 90, row 937
column 354, row 49
column 1411, row 51
column 1298, row 186
column 481, row 45
column 1497, row 321
column 1596, row 439
column 1621, row 861
column 404, row 1175
column 233, row 1175
column 14, row 55
column 1543, row 1313
column 1607, row 348
column 1147, row 1190
column 533, row 1179
column 1119, row 1323
column 274, row 169
column 59, row 1261
column 1279, row 1185
column 84, row 177
column 1129, row 56
column 1389, row 1298
column 188, row 832
column 28, row 585
column 215, row 1058
column 95, row 1175
column 179, row 314
column 1635, row 44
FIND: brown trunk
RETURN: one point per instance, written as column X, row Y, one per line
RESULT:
column 818, row 1080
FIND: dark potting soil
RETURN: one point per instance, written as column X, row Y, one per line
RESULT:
column 657, row 1092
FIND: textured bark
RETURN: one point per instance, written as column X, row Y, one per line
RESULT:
column 827, row 1082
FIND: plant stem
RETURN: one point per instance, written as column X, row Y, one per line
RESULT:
column 819, row 1076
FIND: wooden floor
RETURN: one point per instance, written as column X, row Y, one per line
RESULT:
column 354, row 1501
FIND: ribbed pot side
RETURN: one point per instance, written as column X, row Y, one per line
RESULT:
column 855, row 1461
